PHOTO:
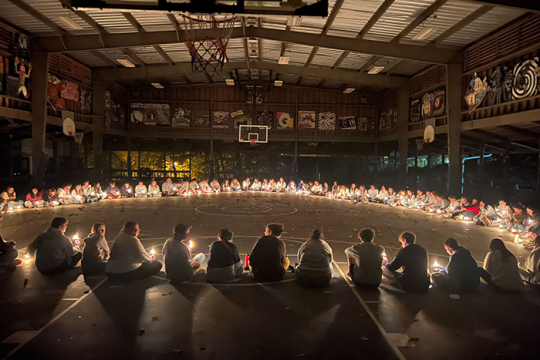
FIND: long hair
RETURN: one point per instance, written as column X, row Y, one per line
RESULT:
column 498, row 245
column 96, row 226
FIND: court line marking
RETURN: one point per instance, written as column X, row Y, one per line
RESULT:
column 371, row 315
column 295, row 210
column 53, row 320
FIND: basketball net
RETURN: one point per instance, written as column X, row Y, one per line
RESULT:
column 252, row 142
column 207, row 42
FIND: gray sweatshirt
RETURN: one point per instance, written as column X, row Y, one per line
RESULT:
column 53, row 250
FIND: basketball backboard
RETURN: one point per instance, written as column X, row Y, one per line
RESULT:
column 250, row 133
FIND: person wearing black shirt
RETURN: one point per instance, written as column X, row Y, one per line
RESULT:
column 224, row 264
column 268, row 260
column 462, row 270
column 8, row 254
column 413, row 259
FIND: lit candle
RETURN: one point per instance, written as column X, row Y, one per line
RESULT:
column 152, row 254
column 118, row 193
column 26, row 256
column 190, row 244
column 92, row 193
column 439, row 211
column 129, row 190
column 436, row 265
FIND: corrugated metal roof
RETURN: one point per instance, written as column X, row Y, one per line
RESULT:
column 397, row 18
column 152, row 21
column 355, row 61
column 85, row 57
column 353, row 16
column 21, row 19
column 484, row 25
column 113, row 21
column 443, row 19
column 409, row 68
column 326, row 57
column 298, row 53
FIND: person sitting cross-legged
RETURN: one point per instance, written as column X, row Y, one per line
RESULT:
column 140, row 190
column 129, row 260
column 96, row 251
column 315, row 261
column 268, row 259
column 413, row 258
column 531, row 274
column 179, row 264
column 501, row 269
column 462, row 270
column 8, row 253
column 126, row 190
column 365, row 260
column 112, row 191
column 224, row 264
column 55, row 252
column 33, row 199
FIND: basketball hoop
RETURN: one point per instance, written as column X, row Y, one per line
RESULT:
column 208, row 48
column 252, row 142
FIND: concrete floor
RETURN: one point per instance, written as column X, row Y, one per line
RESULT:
column 64, row 316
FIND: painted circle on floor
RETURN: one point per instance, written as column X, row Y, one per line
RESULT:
column 247, row 210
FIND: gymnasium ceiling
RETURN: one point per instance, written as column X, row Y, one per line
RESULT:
column 334, row 52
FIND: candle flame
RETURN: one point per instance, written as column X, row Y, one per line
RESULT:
column 436, row 264
column 152, row 252
column 190, row 244
column 26, row 256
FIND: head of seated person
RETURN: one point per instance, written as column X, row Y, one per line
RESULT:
column 274, row 230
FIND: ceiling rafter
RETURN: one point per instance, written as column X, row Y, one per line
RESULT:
column 175, row 24
column 155, row 71
column 392, row 69
column 129, row 17
column 521, row 132
column 419, row 20
column 368, row 64
column 337, row 6
column 134, row 56
column 284, row 43
column 163, row 54
column 38, row 15
column 481, row 11
column 371, row 22
column 380, row 48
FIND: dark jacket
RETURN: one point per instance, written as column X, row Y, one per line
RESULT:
column 463, row 267
column 3, row 246
column 223, row 254
column 414, row 261
column 267, row 258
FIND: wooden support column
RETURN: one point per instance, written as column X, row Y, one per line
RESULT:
column 211, row 167
column 454, row 106
column 40, row 70
column 506, row 162
column 537, row 170
column 99, row 88
column 129, row 169
column 10, row 157
column 74, row 155
column 295, row 159
column 403, row 128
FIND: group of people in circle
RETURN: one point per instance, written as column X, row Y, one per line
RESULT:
column 128, row 260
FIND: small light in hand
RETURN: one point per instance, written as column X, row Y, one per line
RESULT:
column 190, row 244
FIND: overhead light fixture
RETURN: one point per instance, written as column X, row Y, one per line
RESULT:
column 294, row 21
column 278, row 82
column 375, row 70
column 284, row 60
column 158, row 86
column 229, row 82
column 348, row 90
column 424, row 33
column 126, row 63
column 69, row 22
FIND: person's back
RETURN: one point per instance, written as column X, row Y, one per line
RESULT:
column 368, row 270
column 267, row 257
column 315, row 259
column 414, row 261
column 464, row 268
column 176, row 257
column 127, row 254
column 504, row 272
column 224, row 264
column 96, row 251
column 55, row 251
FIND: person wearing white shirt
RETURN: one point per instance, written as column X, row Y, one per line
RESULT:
column 140, row 190
column 55, row 252
column 215, row 185
column 315, row 262
column 532, row 269
column 501, row 268
column 64, row 195
column 245, row 184
column 365, row 260
column 281, row 185
column 373, row 192
column 153, row 189
column 129, row 260
column 256, row 186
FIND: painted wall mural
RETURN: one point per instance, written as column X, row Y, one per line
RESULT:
column 347, row 123
column 513, row 80
column 150, row 114
column 284, row 120
column 388, row 119
column 221, row 119
column 201, row 118
column 265, row 118
column 181, row 118
column 327, row 120
column 306, row 120
column 240, row 118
